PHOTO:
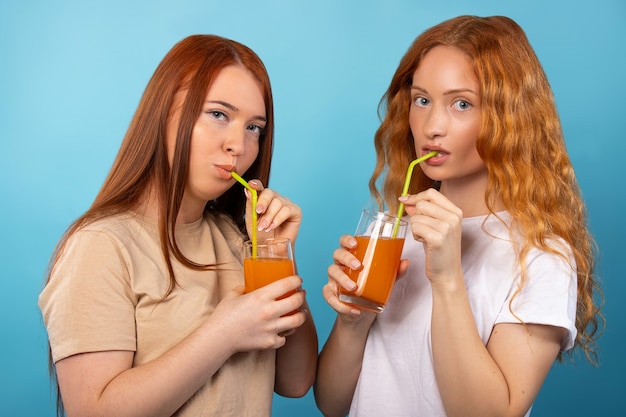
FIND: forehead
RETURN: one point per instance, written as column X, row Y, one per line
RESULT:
column 445, row 64
column 233, row 84
column 235, row 79
column 238, row 88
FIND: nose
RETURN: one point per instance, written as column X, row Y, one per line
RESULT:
column 436, row 121
column 234, row 143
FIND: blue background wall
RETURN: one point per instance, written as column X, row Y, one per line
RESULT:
column 72, row 72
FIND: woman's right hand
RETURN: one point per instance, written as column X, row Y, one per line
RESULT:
column 337, row 278
column 259, row 320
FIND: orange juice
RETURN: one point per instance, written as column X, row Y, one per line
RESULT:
column 380, row 259
column 259, row 272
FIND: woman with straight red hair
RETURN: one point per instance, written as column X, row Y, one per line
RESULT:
column 497, row 279
column 144, row 303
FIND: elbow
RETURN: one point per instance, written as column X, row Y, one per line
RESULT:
column 295, row 390
column 328, row 407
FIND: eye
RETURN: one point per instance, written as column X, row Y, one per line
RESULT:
column 258, row 129
column 216, row 114
column 421, row 101
column 462, row 105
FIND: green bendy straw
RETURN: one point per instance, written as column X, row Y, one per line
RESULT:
column 254, row 215
column 405, row 190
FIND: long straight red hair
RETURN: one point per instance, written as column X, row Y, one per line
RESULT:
column 521, row 143
column 142, row 161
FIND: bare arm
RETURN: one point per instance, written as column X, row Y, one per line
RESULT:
column 339, row 364
column 296, row 361
column 501, row 379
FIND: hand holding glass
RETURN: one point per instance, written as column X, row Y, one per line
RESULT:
column 380, row 239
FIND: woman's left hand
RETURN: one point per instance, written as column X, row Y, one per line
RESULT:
column 277, row 216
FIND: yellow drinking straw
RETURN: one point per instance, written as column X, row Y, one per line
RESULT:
column 254, row 215
column 405, row 190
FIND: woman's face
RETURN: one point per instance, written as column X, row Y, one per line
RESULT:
column 445, row 115
column 225, row 136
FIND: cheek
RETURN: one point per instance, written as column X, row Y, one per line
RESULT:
column 473, row 157
column 252, row 153
column 415, row 125
column 470, row 130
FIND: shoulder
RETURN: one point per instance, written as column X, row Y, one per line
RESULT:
column 118, row 225
column 112, row 237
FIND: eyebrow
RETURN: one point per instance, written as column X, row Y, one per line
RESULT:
column 448, row 92
column 234, row 108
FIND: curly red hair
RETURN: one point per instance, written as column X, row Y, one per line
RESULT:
column 521, row 143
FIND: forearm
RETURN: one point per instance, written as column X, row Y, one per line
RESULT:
column 339, row 366
column 177, row 375
column 296, row 361
column 469, row 380
column 156, row 388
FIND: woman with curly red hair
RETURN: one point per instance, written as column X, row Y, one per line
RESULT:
column 497, row 279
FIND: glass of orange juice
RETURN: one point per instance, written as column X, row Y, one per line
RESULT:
column 380, row 239
column 273, row 261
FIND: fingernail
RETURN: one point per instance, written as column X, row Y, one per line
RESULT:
column 355, row 312
column 403, row 198
column 259, row 209
column 352, row 286
column 355, row 264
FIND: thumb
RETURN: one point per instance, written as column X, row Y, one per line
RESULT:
column 404, row 265
column 235, row 292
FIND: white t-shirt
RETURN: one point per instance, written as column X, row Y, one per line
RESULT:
column 397, row 377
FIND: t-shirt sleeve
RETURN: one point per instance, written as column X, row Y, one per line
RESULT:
column 88, row 304
column 547, row 297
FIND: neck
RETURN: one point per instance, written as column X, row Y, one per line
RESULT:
column 468, row 193
column 190, row 211
column 149, row 207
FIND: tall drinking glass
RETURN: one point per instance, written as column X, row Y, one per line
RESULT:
column 380, row 239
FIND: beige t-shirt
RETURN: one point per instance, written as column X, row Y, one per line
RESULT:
column 105, row 291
